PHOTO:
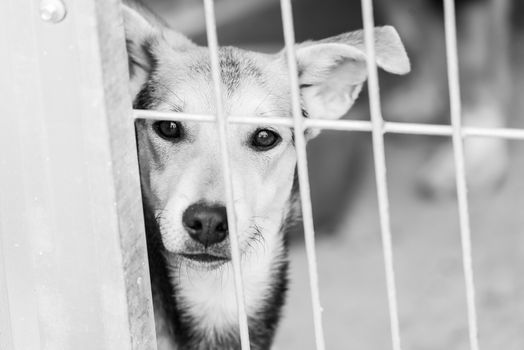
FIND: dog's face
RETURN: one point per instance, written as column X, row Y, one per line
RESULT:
column 182, row 178
column 181, row 164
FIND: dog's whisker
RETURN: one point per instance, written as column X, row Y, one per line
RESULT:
column 274, row 113
column 172, row 93
column 167, row 102
column 269, row 93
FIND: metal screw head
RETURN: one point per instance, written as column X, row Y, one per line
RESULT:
column 52, row 11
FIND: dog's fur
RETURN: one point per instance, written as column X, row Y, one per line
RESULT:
column 194, row 302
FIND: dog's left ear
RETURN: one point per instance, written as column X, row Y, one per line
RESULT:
column 332, row 71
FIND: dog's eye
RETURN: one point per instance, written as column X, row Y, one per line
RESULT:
column 264, row 139
column 168, row 130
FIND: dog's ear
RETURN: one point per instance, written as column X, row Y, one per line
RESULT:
column 332, row 71
column 140, row 37
column 146, row 36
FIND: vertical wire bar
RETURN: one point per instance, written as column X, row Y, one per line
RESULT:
column 460, row 173
column 226, row 167
column 305, row 198
column 380, row 170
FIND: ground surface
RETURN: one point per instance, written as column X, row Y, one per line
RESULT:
column 428, row 265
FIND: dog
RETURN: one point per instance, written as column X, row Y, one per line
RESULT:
column 181, row 178
column 484, row 29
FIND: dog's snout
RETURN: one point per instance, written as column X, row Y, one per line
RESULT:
column 205, row 223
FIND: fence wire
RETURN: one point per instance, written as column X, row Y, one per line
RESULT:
column 377, row 127
column 302, row 170
column 377, row 123
column 341, row 125
column 460, row 172
column 226, row 168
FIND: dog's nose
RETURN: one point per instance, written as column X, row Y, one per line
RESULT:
column 205, row 223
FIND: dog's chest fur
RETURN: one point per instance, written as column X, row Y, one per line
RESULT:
column 197, row 309
column 209, row 296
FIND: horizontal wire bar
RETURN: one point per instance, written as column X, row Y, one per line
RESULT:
column 175, row 116
column 340, row 125
column 417, row 129
column 503, row 133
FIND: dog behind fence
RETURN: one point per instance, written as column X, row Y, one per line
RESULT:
column 109, row 171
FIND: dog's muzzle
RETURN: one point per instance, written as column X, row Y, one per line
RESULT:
column 205, row 223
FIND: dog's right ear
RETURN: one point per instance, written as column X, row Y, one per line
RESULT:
column 140, row 38
column 146, row 36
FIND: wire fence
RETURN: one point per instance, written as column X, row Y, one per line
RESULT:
column 378, row 128
column 48, row 235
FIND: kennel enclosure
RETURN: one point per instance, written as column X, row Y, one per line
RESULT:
column 73, row 260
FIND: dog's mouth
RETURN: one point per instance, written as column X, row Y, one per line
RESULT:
column 205, row 258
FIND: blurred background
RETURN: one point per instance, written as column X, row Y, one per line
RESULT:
column 425, row 228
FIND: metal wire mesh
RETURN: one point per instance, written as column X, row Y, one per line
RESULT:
column 378, row 127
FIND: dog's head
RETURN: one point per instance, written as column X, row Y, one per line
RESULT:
column 180, row 162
